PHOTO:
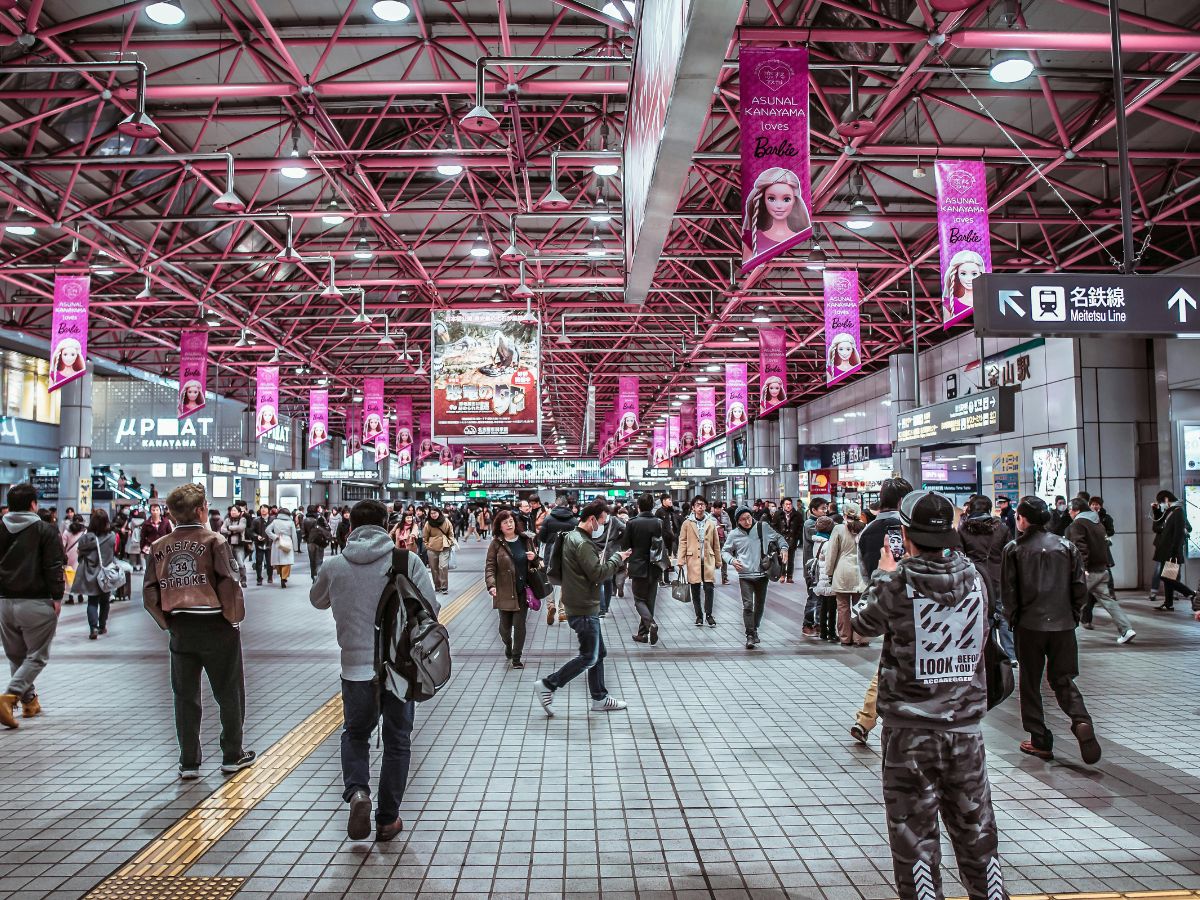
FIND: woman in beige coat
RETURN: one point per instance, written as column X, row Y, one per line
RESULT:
column 841, row 554
column 700, row 555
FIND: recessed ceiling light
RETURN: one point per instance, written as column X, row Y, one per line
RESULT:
column 166, row 12
column 391, row 10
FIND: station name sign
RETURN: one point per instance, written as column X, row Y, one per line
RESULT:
column 1086, row 305
column 950, row 422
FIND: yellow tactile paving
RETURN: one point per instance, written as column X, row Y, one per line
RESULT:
column 158, row 869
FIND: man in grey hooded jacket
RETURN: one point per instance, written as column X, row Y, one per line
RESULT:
column 351, row 583
column 748, row 547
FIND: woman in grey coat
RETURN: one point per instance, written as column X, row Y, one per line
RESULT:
column 233, row 529
column 284, row 539
column 96, row 550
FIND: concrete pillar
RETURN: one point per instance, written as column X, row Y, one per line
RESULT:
column 789, row 449
column 902, row 391
column 75, row 441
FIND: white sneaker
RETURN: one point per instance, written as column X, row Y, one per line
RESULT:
column 545, row 697
column 1127, row 637
column 608, row 704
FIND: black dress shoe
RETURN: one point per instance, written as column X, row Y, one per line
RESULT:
column 1166, row 607
column 358, row 828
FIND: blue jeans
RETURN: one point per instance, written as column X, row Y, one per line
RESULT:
column 591, row 657
column 361, row 715
column 606, row 595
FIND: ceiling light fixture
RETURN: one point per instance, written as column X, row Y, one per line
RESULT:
column 610, row 9
column 72, row 258
column 701, row 379
column 362, row 249
column 331, row 291
column 333, row 216
column 554, row 201
column 166, row 12
column 713, row 367
column 210, row 318
column 596, row 246
column 274, row 356
column 449, row 169
column 761, row 316
column 391, row 10
column 145, row 293
column 420, row 370
column 497, row 295
column 1011, row 67
column 362, row 318
column 816, row 259
column 740, row 335
column 600, row 212
column 604, row 170
column 480, row 121
column 480, row 248
column 522, row 291
column 229, row 201
column 241, row 341
column 288, row 254
column 294, row 171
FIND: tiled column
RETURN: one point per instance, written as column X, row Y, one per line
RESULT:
column 75, row 440
column 789, row 450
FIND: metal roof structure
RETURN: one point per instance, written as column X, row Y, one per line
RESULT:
column 155, row 156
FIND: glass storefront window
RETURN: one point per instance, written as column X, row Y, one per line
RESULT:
column 25, row 387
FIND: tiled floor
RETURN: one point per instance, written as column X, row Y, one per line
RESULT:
column 730, row 775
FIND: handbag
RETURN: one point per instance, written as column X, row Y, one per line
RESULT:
column 285, row 543
column 536, row 581
column 453, row 564
column 998, row 668
column 774, row 567
column 531, row 599
column 680, row 589
column 110, row 577
column 1170, row 570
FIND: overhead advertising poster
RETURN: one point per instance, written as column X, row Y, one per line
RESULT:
column 772, row 369
column 737, row 397
column 776, row 191
column 193, row 371
column 427, row 447
column 658, row 446
column 843, row 337
column 373, row 418
column 1050, row 472
column 963, row 236
column 486, row 377
column 382, row 451
column 318, row 418
column 405, row 431
column 353, row 429
column 706, row 415
column 674, row 436
column 628, row 399
column 687, row 417
column 68, row 340
column 266, row 415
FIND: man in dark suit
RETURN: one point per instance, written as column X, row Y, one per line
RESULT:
column 640, row 535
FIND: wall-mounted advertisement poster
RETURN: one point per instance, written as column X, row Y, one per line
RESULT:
column 1050, row 472
column 1006, row 475
column 486, row 376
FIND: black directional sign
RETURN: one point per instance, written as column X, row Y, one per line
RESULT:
column 953, row 421
column 1086, row 305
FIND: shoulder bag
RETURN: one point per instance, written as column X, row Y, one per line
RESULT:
column 1170, row 570
column 772, row 564
column 680, row 590
column 285, row 543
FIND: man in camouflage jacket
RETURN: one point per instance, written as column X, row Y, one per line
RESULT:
column 933, row 611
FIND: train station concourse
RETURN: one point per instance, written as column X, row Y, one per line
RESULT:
column 600, row 449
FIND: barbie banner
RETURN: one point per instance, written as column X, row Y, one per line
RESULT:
column 318, row 418
column 963, row 234
column 381, row 446
column 193, row 371
column 674, row 436
column 772, row 369
column 404, row 430
column 737, row 396
column 427, row 447
column 687, row 418
column 659, row 446
column 68, row 340
column 266, row 416
column 843, row 349
column 706, row 415
column 372, row 410
column 353, row 429
column 776, row 193
column 628, row 399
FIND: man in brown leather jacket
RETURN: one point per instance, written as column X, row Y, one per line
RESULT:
column 193, row 590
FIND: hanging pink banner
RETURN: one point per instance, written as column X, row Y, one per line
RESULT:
column 772, row 369
column 68, row 340
column 373, row 421
column 381, row 446
column 266, row 415
column 427, row 446
column 674, row 436
column 963, row 234
column 843, row 344
column 318, row 418
column 776, row 193
column 193, row 372
column 658, row 447
column 404, row 430
column 737, row 396
column 353, row 429
column 628, row 400
column 706, row 415
column 687, row 417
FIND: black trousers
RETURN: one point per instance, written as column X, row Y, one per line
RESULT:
column 754, row 601
column 707, row 587
column 645, row 593
column 512, row 631
column 1056, row 653
column 208, row 644
column 316, row 555
column 262, row 557
column 790, row 568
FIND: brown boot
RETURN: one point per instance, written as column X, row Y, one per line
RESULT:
column 7, row 704
column 31, row 708
column 385, row 833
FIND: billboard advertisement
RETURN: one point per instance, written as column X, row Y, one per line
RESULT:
column 193, row 371
column 843, row 326
column 963, row 237
column 68, row 340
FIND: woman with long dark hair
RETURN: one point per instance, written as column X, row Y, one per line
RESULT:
column 96, row 550
column 510, row 557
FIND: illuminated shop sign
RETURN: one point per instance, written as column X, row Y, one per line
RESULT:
column 976, row 415
column 296, row 475
column 163, row 433
column 833, row 456
column 247, row 468
column 548, row 471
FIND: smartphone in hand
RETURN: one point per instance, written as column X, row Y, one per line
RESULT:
column 895, row 542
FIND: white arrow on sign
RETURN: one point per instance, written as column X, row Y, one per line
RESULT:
column 1006, row 299
column 1183, row 300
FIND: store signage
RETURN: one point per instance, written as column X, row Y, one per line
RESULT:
column 692, row 472
column 988, row 412
column 69, row 334
column 162, row 433
column 73, row 452
column 348, row 475
column 743, row 471
column 964, row 239
column 831, row 456
column 296, row 475
column 486, row 373
column 47, row 486
column 1087, row 304
column 85, row 496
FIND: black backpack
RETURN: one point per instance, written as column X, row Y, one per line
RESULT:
column 554, row 559
column 320, row 536
column 412, row 650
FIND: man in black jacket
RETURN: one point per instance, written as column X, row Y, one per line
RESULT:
column 984, row 538
column 789, row 523
column 1043, row 588
column 672, row 520
column 817, row 507
column 1087, row 534
column 262, row 544
column 559, row 520
column 644, row 573
column 31, row 592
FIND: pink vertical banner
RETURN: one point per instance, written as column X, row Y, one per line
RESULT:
column 658, row 446
column 427, row 447
column 318, row 418
column 843, row 343
column 266, row 410
column 405, row 430
column 687, row 417
column 674, row 436
column 628, row 401
column 373, row 420
column 772, row 369
column 963, row 234
column 776, row 191
column 706, row 415
column 381, row 445
column 737, row 397
column 193, row 371
column 353, row 429
column 68, row 340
